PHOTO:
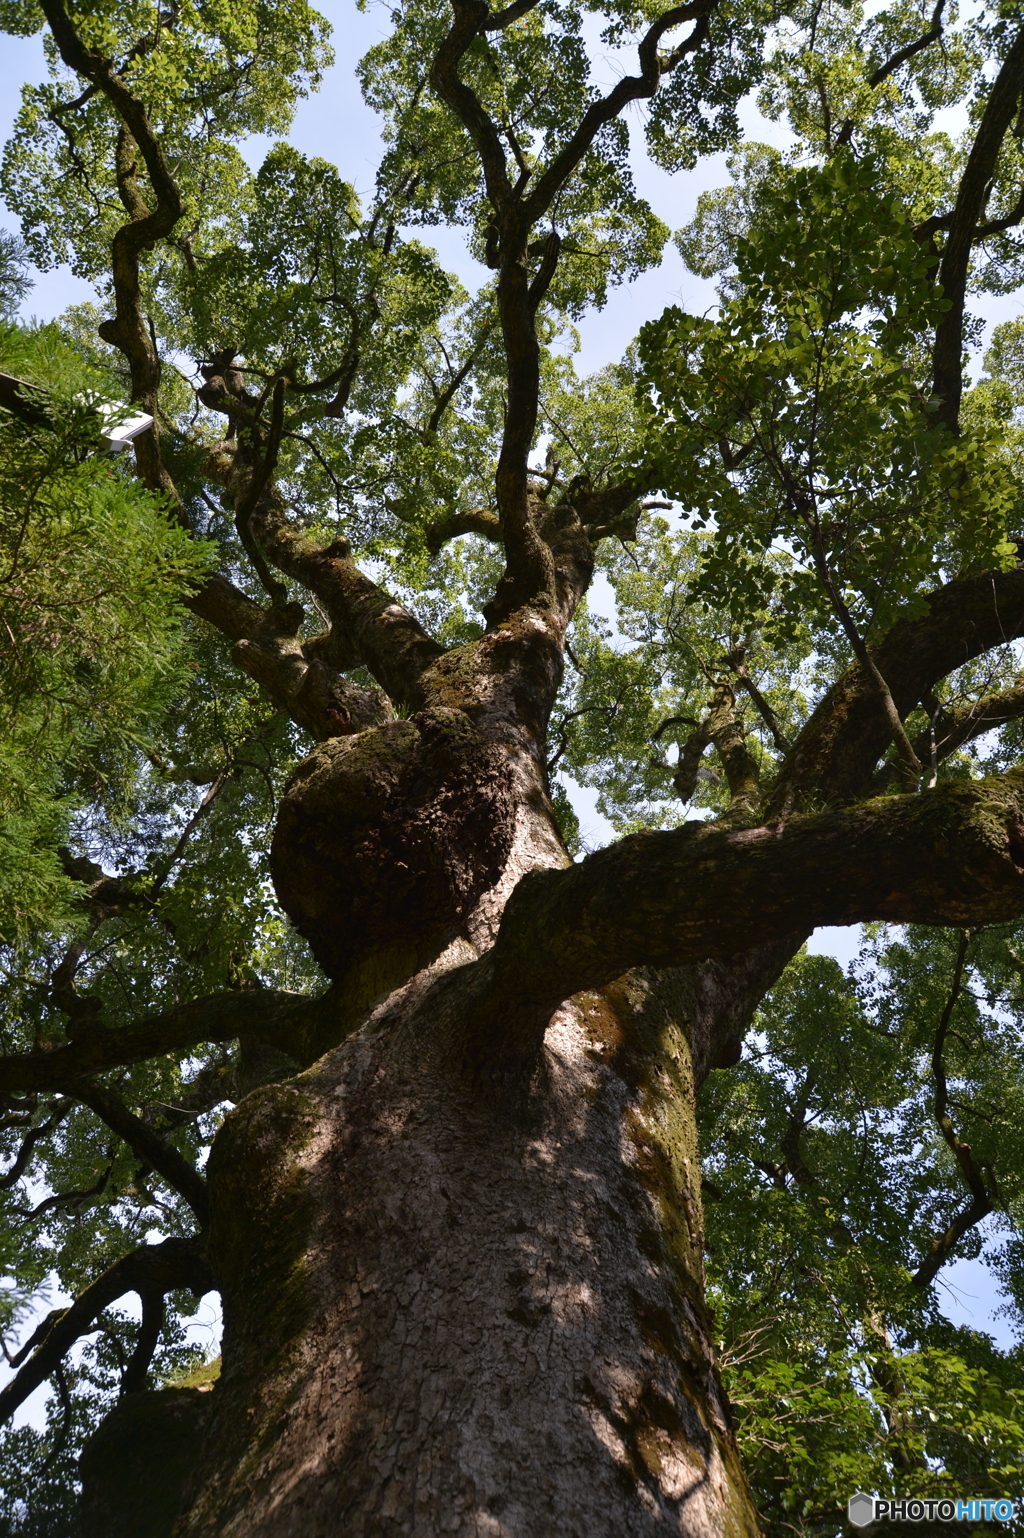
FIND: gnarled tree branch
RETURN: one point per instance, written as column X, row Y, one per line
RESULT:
column 530, row 574
column 267, row 648
column 368, row 626
column 129, row 330
column 730, row 743
column 472, row 521
column 154, row 1268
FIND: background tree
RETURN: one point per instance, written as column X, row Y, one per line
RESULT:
column 454, row 1215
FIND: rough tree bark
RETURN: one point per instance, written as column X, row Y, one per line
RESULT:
column 460, row 1263
column 454, row 1310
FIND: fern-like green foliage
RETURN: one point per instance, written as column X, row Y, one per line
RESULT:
column 92, row 574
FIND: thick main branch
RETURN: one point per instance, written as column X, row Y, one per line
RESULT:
column 954, row 855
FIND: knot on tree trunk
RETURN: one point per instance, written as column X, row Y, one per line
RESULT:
column 391, row 837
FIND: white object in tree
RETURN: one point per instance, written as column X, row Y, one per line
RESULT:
column 120, row 433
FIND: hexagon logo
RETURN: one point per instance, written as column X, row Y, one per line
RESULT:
column 860, row 1509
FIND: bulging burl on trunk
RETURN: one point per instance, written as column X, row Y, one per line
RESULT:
column 392, row 836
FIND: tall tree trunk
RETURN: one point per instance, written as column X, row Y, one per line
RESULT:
column 449, row 1312
column 458, row 1297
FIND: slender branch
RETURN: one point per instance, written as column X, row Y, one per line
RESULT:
column 471, row 17
column 949, row 729
column 65, row 1198
column 271, row 1014
column 502, row 19
column 653, row 68
column 899, row 58
column 24, row 1154
column 156, row 1151
column 910, row 766
column 550, row 249
column 1007, row 222
column 966, row 722
column 201, row 811
column 903, row 54
column 445, row 397
column 836, row 752
column 761, row 705
column 266, row 463
column 610, row 711
column 60, row 1441
column 981, row 1197
column 660, row 731
column 975, row 185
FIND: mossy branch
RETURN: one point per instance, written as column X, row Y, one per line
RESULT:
column 952, row 855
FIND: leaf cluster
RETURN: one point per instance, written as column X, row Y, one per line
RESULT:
column 92, row 571
column 829, row 1180
column 798, row 419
